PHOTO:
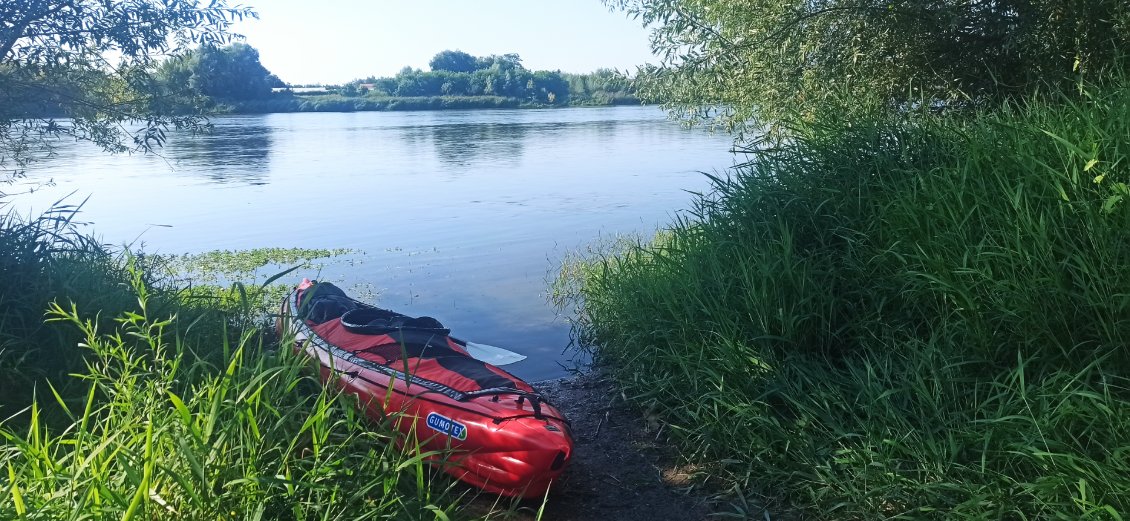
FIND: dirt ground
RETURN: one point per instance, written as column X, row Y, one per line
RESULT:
column 620, row 469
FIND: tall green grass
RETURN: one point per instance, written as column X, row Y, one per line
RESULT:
column 125, row 396
column 897, row 316
column 43, row 258
column 163, row 434
column 47, row 258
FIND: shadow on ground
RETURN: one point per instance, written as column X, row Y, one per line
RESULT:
column 618, row 470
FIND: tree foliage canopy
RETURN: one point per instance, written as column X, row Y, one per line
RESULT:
column 92, row 61
column 226, row 73
column 453, row 61
column 456, row 73
column 766, row 58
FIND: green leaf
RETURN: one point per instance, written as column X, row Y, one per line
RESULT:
column 17, row 498
column 1111, row 202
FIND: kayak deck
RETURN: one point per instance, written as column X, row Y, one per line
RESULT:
column 502, row 435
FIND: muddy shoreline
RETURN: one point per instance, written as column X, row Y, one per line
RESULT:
column 621, row 468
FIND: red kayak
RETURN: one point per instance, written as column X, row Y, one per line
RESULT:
column 506, row 438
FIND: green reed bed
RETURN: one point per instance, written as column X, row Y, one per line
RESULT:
column 128, row 398
column 47, row 258
column 897, row 316
column 41, row 259
column 161, row 434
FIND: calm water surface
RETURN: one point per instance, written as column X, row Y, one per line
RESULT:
column 460, row 215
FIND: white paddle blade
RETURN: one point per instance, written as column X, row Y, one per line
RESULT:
column 493, row 355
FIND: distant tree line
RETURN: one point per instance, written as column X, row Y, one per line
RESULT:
column 456, row 73
column 601, row 87
column 233, row 76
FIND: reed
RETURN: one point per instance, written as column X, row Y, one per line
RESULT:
column 42, row 258
column 46, row 258
column 163, row 434
column 904, row 315
column 127, row 397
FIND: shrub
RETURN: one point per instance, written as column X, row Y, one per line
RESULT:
column 905, row 315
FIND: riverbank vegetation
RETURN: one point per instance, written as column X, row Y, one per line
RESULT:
column 128, row 394
column 910, row 302
column 124, row 392
column 231, row 79
column 57, row 80
column 126, row 397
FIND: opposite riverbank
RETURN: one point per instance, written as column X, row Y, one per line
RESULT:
column 340, row 103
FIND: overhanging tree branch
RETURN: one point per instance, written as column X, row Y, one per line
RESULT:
column 52, row 60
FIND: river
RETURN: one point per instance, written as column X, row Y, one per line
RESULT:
column 459, row 215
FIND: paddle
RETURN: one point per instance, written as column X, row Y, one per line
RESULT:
column 492, row 355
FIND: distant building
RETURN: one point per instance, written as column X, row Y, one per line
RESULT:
column 302, row 90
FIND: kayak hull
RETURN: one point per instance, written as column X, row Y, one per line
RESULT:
column 509, row 443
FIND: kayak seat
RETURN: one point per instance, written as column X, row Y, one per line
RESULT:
column 376, row 321
column 426, row 346
column 326, row 308
column 323, row 302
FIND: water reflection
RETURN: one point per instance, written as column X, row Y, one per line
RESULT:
column 456, row 215
column 465, row 145
column 607, row 130
column 236, row 151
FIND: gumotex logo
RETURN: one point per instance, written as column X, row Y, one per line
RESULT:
column 445, row 425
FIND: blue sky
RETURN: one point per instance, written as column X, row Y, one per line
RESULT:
column 341, row 40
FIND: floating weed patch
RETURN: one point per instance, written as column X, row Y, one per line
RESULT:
column 243, row 265
column 237, row 282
